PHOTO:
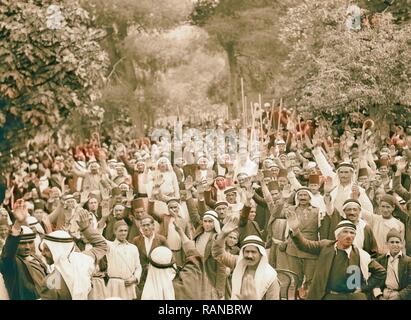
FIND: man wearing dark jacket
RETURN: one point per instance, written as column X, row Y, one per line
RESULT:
column 397, row 284
column 22, row 270
column 344, row 272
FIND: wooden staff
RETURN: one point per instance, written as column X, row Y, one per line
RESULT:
column 261, row 116
column 242, row 99
column 246, row 111
column 279, row 116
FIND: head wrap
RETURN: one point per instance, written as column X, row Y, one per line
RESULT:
column 344, row 224
column 213, row 215
column 220, row 203
column 351, row 201
column 75, row 268
column 265, row 275
column 27, row 235
column 160, row 275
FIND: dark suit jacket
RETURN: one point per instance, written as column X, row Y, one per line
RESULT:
column 138, row 241
column 404, row 275
column 21, row 281
column 326, row 251
column 329, row 224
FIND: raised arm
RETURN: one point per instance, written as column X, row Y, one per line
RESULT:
column 99, row 245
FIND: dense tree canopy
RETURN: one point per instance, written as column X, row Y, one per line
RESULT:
column 51, row 65
column 337, row 70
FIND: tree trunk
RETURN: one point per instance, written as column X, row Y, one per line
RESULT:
column 232, row 88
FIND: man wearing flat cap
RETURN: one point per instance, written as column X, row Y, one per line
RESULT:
column 344, row 272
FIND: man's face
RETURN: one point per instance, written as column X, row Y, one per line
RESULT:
column 220, row 182
column 38, row 214
column 314, row 187
column 138, row 213
column 70, row 204
column 221, row 211
column 275, row 194
column 140, row 166
column 363, row 181
column 93, row 204
column 121, row 233
column 231, row 197
column 346, row 238
column 394, row 246
column 251, row 255
column 94, row 168
column 384, row 170
column 162, row 166
column 147, row 226
column 120, row 171
column 124, row 188
column 242, row 179
column 208, row 224
column 4, row 231
column 46, row 253
column 386, row 210
column 252, row 214
column 25, row 248
column 118, row 213
column 345, row 175
column 352, row 212
column 202, row 164
column 173, row 208
column 282, row 182
column 281, row 147
column 303, row 198
column 232, row 239
column 275, row 170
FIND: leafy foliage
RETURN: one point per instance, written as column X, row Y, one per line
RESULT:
column 48, row 70
column 335, row 70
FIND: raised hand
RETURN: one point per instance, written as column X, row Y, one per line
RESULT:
column 230, row 225
column 84, row 218
column 355, row 192
column 105, row 194
column 260, row 176
column 189, row 183
column 20, row 211
column 401, row 164
column 84, row 196
column 130, row 195
column 105, row 208
column 292, row 220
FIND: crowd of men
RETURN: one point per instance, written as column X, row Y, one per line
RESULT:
column 328, row 203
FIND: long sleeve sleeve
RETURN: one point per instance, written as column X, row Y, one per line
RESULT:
column 399, row 189
column 324, row 166
column 100, row 248
column 310, row 246
column 219, row 253
column 139, row 270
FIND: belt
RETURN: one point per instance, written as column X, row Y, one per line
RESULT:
column 142, row 195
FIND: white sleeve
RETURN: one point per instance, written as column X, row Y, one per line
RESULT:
column 324, row 166
column 137, row 272
column 366, row 203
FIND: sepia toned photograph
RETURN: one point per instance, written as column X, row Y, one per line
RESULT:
column 213, row 151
